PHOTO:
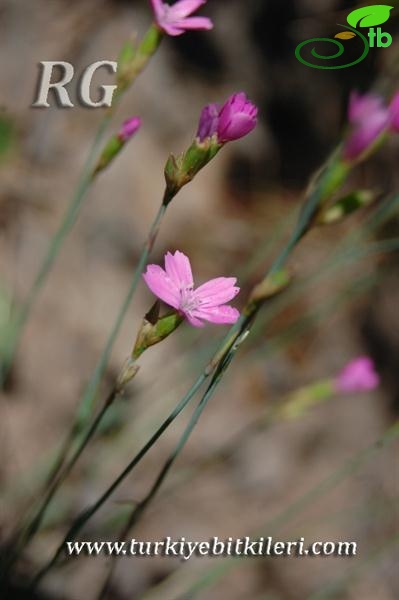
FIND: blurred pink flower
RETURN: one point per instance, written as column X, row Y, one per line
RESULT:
column 394, row 113
column 175, row 20
column 175, row 286
column 129, row 128
column 369, row 117
column 359, row 375
column 235, row 119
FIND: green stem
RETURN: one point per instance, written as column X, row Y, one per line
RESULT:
column 91, row 510
column 56, row 243
column 87, row 402
column 143, row 504
column 89, row 396
column 30, row 530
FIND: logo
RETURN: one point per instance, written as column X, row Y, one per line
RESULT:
column 366, row 17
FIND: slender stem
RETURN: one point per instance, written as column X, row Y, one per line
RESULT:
column 30, row 530
column 86, row 405
column 143, row 504
column 89, row 395
column 56, row 243
column 91, row 510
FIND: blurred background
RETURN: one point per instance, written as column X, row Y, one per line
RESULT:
column 232, row 221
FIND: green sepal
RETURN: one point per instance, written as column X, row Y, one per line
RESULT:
column 301, row 401
column 151, row 334
column 270, row 286
column 125, row 58
column 182, row 169
column 345, row 206
column 133, row 59
column 111, row 150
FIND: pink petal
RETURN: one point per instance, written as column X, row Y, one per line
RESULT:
column 194, row 321
column 161, row 285
column 238, row 127
column 195, row 23
column 171, row 29
column 363, row 106
column 182, row 9
column 178, row 269
column 394, row 112
column 218, row 314
column 217, row 291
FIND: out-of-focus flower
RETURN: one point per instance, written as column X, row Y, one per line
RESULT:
column 358, row 376
column 394, row 113
column 175, row 286
column 129, row 128
column 235, row 119
column 175, row 19
column 368, row 117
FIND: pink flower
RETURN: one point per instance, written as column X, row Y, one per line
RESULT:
column 394, row 113
column 175, row 20
column 235, row 119
column 369, row 117
column 129, row 128
column 358, row 376
column 175, row 286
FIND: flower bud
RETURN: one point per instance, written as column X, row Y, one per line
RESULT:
column 115, row 144
column 152, row 333
column 359, row 375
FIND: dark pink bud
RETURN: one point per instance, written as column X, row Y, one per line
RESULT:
column 129, row 128
column 237, row 118
column 209, row 121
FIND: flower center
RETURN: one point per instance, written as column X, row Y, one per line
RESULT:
column 188, row 301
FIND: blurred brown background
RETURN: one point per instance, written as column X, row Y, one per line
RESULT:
column 231, row 221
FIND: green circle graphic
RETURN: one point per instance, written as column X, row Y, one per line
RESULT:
column 340, row 51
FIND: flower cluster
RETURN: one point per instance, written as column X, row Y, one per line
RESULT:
column 175, row 286
column 359, row 375
column 235, row 119
column 176, row 19
column 369, row 118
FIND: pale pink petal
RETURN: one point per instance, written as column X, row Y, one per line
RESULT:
column 161, row 285
column 178, row 268
column 394, row 112
column 171, row 29
column 362, row 106
column 217, row 291
column 194, row 321
column 184, row 8
column 218, row 314
column 195, row 23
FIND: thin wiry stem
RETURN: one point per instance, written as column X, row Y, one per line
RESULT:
column 131, row 69
column 77, row 430
column 55, row 246
column 91, row 510
column 28, row 531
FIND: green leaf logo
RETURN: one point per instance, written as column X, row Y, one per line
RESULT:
column 369, row 16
